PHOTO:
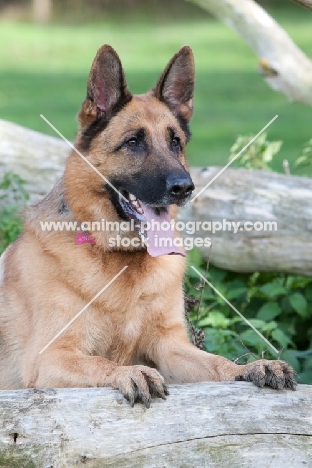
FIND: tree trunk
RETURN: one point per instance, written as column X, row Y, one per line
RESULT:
column 42, row 11
column 238, row 195
column 284, row 66
column 206, row 424
column 305, row 3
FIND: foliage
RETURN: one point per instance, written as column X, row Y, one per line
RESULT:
column 305, row 159
column 278, row 305
column 12, row 197
column 258, row 155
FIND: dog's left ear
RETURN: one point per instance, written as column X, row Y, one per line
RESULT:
column 107, row 89
column 176, row 85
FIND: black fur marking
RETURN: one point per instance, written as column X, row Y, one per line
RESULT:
column 63, row 208
column 99, row 125
column 91, row 132
column 185, row 127
column 114, row 198
column 150, row 187
column 182, row 122
column 139, row 134
column 160, row 209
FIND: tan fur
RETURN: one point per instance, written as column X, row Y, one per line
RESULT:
column 45, row 279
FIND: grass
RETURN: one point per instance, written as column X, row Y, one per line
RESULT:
column 44, row 70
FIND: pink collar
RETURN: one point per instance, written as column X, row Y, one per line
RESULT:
column 84, row 238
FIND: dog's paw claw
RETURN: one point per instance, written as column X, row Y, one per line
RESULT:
column 275, row 374
column 140, row 383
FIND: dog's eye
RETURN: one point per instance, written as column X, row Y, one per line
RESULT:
column 176, row 142
column 132, row 143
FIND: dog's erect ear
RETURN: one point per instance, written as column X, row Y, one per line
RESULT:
column 107, row 89
column 176, row 85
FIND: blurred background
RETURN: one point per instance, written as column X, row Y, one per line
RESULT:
column 47, row 47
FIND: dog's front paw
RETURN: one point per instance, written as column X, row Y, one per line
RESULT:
column 140, row 383
column 275, row 374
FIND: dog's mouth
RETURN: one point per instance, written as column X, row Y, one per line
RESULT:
column 153, row 224
column 132, row 207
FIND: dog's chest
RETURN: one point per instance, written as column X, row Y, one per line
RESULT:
column 125, row 347
column 135, row 307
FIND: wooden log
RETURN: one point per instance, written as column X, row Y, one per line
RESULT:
column 238, row 195
column 260, row 198
column 206, row 424
column 37, row 158
column 283, row 65
column 305, row 3
column 41, row 11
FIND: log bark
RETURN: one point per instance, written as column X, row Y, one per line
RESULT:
column 283, row 65
column 37, row 158
column 257, row 197
column 206, row 424
column 238, row 195
column 305, row 3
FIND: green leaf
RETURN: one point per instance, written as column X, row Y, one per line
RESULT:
column 236, row 293
column 251, row 338
column 279, row 336
column 269, row 311
column 304, row 354
column 194, row 258
column 258, row 324
column 268, row 327
column 306, row 377
column 272, row 149
column 273, row 290
column 290, row 355
column 217, row 276
column 209, row 293
column 300, row 160
column 215, row 319
column 299, row 304
column 308, row 292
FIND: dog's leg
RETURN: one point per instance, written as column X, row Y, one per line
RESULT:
column 179, row 361
column 59, row 367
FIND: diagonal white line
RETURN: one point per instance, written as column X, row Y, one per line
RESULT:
column 235, row 310
column 233, row 159
column 83, row 157
column 82, row 310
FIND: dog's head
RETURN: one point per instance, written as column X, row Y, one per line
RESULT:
column 137, row 142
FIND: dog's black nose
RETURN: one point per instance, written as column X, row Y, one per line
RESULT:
column 179, row 187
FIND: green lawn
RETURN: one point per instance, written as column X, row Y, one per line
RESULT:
column 44, row 70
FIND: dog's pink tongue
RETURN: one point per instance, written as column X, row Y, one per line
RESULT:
column 160, row 241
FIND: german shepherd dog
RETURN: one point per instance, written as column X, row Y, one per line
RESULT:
column 132, row 336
